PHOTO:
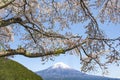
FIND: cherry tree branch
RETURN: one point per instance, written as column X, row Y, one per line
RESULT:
column 4, row 23
column 22, row 51
column 1, row 7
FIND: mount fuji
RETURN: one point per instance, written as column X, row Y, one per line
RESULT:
column 61, row 71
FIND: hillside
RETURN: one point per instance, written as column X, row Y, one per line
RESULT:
column 11, row 70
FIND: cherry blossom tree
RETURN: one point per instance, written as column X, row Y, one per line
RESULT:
column 45, row 28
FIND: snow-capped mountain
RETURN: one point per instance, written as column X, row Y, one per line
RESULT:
column 61, row 71
column 60, row 65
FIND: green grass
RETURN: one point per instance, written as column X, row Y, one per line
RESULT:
column 11, row 70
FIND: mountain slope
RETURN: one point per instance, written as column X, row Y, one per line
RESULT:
column 61, row 71
column 11, row 70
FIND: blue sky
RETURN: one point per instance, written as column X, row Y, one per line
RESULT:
column 35, row 64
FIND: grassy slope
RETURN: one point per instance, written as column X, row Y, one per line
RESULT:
column 11, row 70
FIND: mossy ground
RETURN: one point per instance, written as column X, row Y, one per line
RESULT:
column 11, row 70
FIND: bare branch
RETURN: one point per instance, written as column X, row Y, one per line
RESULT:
column 100, row 39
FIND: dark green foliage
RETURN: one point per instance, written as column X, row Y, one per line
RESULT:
column 11, row 70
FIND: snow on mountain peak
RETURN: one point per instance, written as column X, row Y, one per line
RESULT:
column 61, row 65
